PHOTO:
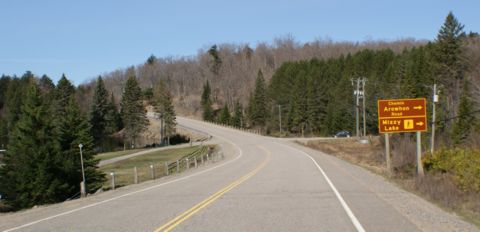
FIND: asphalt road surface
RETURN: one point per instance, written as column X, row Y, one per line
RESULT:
column 264, row 184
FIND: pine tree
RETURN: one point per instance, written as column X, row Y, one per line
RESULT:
column 46, row 84
column 113, row 118
column 151, row 60
column 225, row 115
column 74, row 129
column 164, row 105
column 133, row 112
column 258, row 108
column 14, row 98
column 4, row 82
column 216, row 61
column 30, row 174
column 63, row 93
column 206, row 102
column 300, row 103
column 237, row 119
column 99, row 111
column 450, row 67
column 466, row 120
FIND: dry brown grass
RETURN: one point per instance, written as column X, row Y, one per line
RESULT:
column 370, row 156
column 440, row 188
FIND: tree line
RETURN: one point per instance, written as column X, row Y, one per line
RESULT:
column 315, row 96
column 42, row 126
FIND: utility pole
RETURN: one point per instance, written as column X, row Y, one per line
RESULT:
column 359, row 92
column 435, row 100
column 280, row 117
column 363, row 100
column 83, row 185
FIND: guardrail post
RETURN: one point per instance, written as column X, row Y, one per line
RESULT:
column 152, row 171
column 178, row 166
column 208, row 158
column 135, row 175
column 203, row 159
column 112, row 175
column 188, row 163
column 166, row 168
column 195, row 160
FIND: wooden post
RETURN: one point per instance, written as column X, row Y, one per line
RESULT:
column 166, row 168
column 178, row 166
column 152, row 171
column 195, row 159
column 112, row 174
column 188, row 163
column 135, row 175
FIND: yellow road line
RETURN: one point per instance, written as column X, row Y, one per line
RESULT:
column 190, row 212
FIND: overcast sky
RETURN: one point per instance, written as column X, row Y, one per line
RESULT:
column 84, row 39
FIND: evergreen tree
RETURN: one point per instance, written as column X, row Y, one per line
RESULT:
column 237, row 119
column 206, row 102
column 113, row 118
column 14, row 98
column 450, row 66
column 299, row 114
column 216, row 61
column 466, row 120
column 258, row 108
column 133, row 112
column 46, row 84
column 151, row 60
column 4, row 82
column 30, row 174
column 164, row 105
column 99, row 115
column 63, row 92
column 225, row 115
column 74, row 129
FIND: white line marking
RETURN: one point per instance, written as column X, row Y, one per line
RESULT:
column 347, row 209
column 240, row 154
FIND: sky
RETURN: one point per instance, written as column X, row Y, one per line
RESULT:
column 84, row 39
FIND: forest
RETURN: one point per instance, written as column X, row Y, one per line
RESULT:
column 43, row 131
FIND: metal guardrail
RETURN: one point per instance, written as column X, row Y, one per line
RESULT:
column 201, row 156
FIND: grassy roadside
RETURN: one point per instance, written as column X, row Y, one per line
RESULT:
column 114, row 154
column 124, row 170
column 441, row 189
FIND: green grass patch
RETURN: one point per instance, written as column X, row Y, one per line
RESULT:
column 124, row 170
column 114, row 154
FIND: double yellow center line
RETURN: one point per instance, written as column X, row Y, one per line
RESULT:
column 187, row 214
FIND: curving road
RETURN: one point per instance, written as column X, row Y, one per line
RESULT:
column 264, row 184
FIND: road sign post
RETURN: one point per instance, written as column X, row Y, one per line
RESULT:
column 403, row 115
column 387, row 153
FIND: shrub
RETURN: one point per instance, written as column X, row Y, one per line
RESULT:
column 463, row 164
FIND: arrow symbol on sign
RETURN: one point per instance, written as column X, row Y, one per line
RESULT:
column 419, row 123
column 417, row 107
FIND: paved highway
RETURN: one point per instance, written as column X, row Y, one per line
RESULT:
column 264, row 184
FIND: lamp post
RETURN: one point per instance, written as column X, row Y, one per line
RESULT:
column 83, row 184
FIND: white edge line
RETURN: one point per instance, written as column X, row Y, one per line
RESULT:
column 347, row 209
column 240, row 154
